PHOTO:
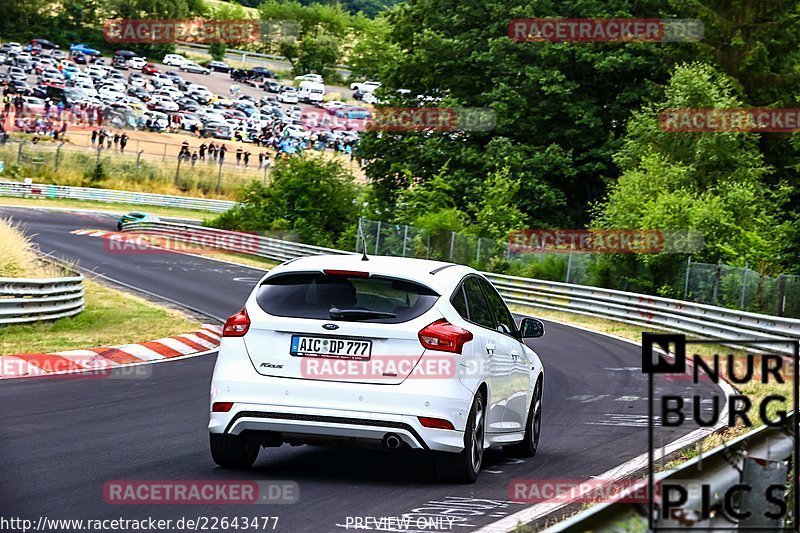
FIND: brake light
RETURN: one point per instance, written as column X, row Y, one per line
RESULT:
column 435, row 423
column 349, row 273
column 237, row 325
column 444, row 336
column 221, row 407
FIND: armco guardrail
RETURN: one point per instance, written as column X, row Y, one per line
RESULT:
column 37, row 190
column 247, row 243
column 698, row 319
column 756, row 459
column 31, row 299
column 650, row 311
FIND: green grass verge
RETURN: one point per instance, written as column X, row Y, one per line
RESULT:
column 104, row 206
column 111, row 317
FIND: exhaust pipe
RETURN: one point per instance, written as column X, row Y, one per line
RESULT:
column 392, row 441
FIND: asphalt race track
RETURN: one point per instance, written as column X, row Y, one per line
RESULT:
column 62, row 439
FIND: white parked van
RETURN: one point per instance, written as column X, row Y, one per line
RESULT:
column 311, row 92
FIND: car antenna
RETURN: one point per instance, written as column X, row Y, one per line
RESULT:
column 363, row 240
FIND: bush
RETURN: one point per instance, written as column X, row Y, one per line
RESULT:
column 311, row 196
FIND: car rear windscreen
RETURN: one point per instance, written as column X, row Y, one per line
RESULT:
column 314, row 295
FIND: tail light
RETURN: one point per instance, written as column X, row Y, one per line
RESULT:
column 237, row 325
column 435, row 423
column 221, row 407
column 444, row 337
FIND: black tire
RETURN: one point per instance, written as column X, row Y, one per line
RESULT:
column 533, row 428
column 233, row 451
column 464, row 467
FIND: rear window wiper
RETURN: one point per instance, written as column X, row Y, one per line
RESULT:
column 358, row 314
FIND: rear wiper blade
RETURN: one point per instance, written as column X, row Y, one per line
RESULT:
column 358, row 314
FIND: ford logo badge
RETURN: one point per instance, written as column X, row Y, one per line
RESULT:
column 330, row 326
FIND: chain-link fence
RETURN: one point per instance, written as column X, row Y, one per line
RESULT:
column 723, row 285
column 742, row 288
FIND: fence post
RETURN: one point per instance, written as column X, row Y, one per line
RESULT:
column 405, row 238
column 58, row 153
column 717, row 276
column 358, row 233
column 219, row 177
column 428, row 249
column 744, row 285
column 569, row 263
column 377, row 237
column 19, row 152
column 452, row 243
column 178, row 171
column 164, row 157
column 781, row 295
column 686, row 282
column 138, row 158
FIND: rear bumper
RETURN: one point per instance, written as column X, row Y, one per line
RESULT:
column 300, row 407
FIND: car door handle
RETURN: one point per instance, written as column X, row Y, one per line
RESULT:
column 514, row 355
column 490, row 348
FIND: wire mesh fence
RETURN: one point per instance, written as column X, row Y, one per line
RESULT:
column 722, row 285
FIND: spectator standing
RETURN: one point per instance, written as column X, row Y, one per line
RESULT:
column 101, row 138
column 116, row 141
column 222, row 151
column 203, row 152
column 212, row 152
column 238, row 156
column 94, row 137
column 246, row 159
column 261, row 160
column 194, row 157
column 123, row 142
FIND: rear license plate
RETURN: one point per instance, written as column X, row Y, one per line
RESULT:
column 330, row 347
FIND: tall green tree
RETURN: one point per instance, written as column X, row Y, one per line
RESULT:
column 560, row 107
column 712, row 184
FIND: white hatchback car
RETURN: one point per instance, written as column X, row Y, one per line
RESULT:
column 391, row 352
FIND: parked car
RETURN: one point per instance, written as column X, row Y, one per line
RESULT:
column 219, row 66
column 190, row 66
column 174, row 60
column 316, row 78
column 150, row 69
column 84, row 49
column 364, row 86
column 137, row 63
column 287, row 95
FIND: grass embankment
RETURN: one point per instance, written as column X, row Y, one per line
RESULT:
column 77, row 167
column 110, row 316
column 754, row 390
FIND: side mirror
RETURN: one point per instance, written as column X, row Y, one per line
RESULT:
column 531, row 328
